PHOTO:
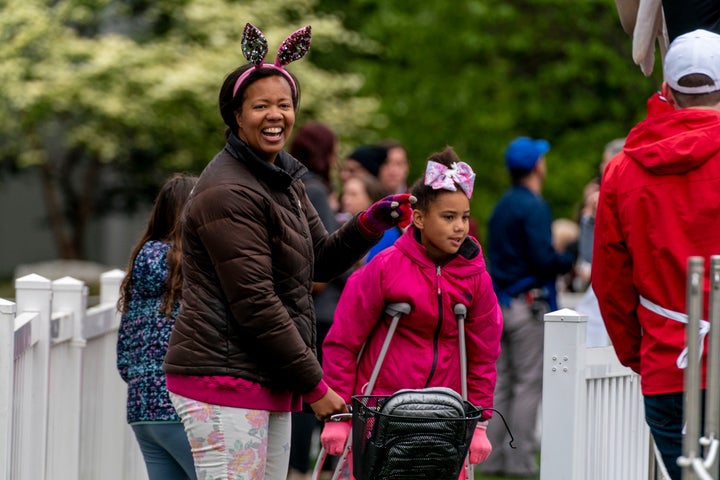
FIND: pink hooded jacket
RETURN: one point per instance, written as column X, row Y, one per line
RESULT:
column 424, row 351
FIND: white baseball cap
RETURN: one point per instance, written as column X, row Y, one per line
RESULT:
column 693, row 52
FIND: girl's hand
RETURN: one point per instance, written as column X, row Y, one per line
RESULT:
column 480, row 447
column 330, row 404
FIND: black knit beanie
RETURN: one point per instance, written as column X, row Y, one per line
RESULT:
column 370, row 156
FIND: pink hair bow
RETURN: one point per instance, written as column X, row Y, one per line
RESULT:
column 255, row 49
column 439, row 176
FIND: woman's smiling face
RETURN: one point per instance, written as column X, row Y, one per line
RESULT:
column 266, row 117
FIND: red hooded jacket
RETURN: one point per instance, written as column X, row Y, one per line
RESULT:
column 659, row 204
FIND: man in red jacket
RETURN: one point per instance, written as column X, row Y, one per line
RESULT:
column 659, row 204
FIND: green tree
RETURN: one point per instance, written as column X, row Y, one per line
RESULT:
column 476, row 73
column 105, row 98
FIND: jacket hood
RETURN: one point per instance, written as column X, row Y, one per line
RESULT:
column 467, row 262
column 675, row 142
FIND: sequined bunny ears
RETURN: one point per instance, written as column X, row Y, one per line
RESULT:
column 255, row 48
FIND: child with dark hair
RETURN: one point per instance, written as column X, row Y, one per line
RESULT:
column 149, row 302
column 433, row 267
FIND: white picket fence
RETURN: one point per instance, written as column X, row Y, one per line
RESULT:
column 593, row 424
column 62, row 402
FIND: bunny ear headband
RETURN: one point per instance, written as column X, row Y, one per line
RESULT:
column 255, row 48
column 441, row 177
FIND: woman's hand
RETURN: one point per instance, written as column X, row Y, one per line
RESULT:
column 388, row 212
column 330, row 404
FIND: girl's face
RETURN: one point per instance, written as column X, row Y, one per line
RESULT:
column 266, row 118
column 445, row 225
column 355, row 197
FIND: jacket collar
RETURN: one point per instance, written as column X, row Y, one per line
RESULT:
column 280, row 174
column 467, row 261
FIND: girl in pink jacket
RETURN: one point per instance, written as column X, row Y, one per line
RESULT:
column 434, row 266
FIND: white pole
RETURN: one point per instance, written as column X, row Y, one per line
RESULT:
column 34, row 294
column 562, row 455
column 712, row 400
column 70, row 302
column 691, row 410
column 7, row 340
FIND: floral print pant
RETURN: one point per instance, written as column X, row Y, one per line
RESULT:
column 235, row 443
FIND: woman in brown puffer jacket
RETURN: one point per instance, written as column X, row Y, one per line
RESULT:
column 241, row 354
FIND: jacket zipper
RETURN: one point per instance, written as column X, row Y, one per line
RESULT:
column 297, row 206
column 295, row 200
column 436, row 337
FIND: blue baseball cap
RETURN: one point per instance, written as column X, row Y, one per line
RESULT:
column 523, row 153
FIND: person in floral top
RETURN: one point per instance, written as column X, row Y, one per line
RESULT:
column 149, row 304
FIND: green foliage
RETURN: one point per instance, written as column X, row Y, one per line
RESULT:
column 91, row 86
column 476, row 73
column 105, row 99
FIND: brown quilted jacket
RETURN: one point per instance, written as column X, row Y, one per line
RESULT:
column 252, row 246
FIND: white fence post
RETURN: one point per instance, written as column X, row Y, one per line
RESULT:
column 109, row 449
column 64, row 416
column 592, row 409
column 110, row 286
column 30, row 409
column 132, row 459
column 562, row 456
column 7, row 338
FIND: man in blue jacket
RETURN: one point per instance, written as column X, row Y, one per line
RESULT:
column 524, row 267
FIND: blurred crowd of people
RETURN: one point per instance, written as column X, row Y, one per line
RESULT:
column 365, row 176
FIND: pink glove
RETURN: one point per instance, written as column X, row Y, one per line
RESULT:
column 386, row 213
column 480, row 447
column 334, row 436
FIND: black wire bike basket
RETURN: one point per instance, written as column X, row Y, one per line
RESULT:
column 412, row 434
